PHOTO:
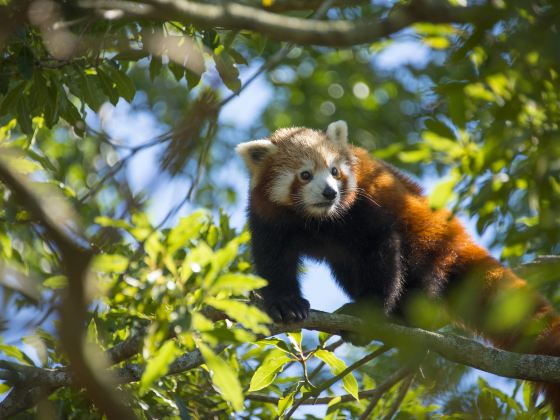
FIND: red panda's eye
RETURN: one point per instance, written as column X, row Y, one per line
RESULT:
column 306, row 175
column 334, row 171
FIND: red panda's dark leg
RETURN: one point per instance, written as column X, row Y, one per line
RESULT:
column 277, row 261
column 377, row 276
column 375, row 284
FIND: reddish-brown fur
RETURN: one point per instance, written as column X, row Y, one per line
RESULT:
column 439, row 235
column 387, row 243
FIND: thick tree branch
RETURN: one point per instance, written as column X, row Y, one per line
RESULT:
column 335, row 33
column 75, row 259
column 281, row 6
column 452, row 347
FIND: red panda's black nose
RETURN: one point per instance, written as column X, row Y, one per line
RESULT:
column 329, row 193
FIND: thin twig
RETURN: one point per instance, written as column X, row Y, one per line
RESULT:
column 317, row 391
column 400, row 397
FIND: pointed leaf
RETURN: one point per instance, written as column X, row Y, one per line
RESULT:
column 158, row 365
column 223, row 377
column 268, row 370
column 337, row 366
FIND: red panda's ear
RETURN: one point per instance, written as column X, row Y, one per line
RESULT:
column 337, row 132
column 254, row 152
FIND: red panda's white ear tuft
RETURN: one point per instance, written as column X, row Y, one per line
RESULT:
column 337, row 132
column 254, row 152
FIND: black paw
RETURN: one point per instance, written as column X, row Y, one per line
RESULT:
column 287, row 308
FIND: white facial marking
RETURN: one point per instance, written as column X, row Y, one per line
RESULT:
column 351, row 183
column 280, row 188
column 312, row 193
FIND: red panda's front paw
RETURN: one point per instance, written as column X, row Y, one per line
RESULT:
column 287, row 308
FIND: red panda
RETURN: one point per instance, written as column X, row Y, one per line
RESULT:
column 312, row 194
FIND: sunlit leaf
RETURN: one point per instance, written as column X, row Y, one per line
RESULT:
column 110, row 263
column 267, row 371
column 237, row 284
column 158, row 365
column 223, row 377
column 249, row 316
column 337, row 366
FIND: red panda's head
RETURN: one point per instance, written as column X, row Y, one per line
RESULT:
column 307, row 170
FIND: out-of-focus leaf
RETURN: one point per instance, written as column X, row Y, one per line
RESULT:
column 56, row 282
column 223, row 377
column 110, row 263
column 237, row 284
column 158, row 365
column 123, row 83
column 155, row 67
column 249, row 316
column 14, row 352
column 443, row 192
column 228, row 71
column 188, row 228
column 285, row 402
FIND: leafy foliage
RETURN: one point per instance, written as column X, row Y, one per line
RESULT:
column 478, row 110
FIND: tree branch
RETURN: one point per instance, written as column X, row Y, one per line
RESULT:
column 327, row 384
column 75, row 259
column 335, row 33
column 452, row 347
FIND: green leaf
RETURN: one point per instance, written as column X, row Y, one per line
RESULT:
column 237, row 284
column 211, row 39
column 439, row 128
column 92, row 334
column 444, row 191
column 228, row 71
column 267, row 371
column 188, row 228
column 108, row 86
column 276, row 342
column 25, row 63
column 337, row 366
column 6, row 245
column 224, row 256
column 11, row 99
column 110, row 263
column 52, row 107
column 193, row 78
column 56, row 282
column 223, row 377
column 249, row 316
column 155, row 67
column 158, row 365
column 196, row 260
column 68, row 110
column 23, row 115
column 123, row 83
column 237, row 57
column 285, row 402
column 13, row 351
column 177, row 70
column 295, row 338
column 108, row 222
column 91, row 91
column 38, row 93
column 131, row 55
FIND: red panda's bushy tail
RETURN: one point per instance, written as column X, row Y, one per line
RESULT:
column 536, row 330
